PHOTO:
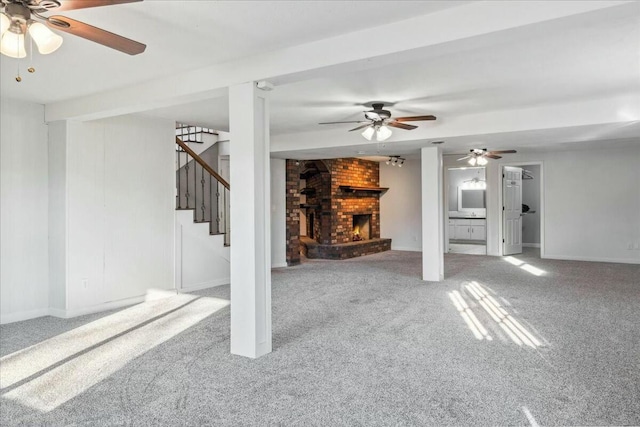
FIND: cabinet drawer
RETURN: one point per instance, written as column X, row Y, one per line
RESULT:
column 477, row 222
column 462, row 221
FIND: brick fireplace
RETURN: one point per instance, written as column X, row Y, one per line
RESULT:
column 338, row 203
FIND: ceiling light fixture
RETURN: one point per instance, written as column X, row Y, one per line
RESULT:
column 381, row 132
column 474, row 184
column 395, row 161
column 12, row 43
column 16, row 24
column 368, row 133
column 46, row 40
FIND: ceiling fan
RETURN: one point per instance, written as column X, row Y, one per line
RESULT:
column 479, row 156
column 379, row 120
column 18, row 19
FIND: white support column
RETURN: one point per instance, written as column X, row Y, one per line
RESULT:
column 250, row 221
column 432, row 215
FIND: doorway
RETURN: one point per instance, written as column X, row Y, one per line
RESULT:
column 467, row 211
column 529, row 204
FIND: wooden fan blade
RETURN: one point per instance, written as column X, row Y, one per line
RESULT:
column 492, row 156
column 95, row 34
column 401, row 125
column 333, row 123
column 360, row 127
column 503, row 152
column 83, row 4
column 414, row 118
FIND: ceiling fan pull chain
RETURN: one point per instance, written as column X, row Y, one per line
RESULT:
column 18, row 78
column 30, row 69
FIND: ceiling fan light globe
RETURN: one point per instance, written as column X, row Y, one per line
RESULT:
column 482, row 161
column 383, row 133
column 368, row 133
column 12, row 45
column 472, row 161
column 5, row 23
column 46, row 40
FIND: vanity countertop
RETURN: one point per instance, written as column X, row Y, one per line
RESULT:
column 467, row 217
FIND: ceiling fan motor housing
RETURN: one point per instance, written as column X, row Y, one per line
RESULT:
column 18, row 13
column 377, row 113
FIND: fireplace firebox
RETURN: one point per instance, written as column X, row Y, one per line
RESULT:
column 361, row 227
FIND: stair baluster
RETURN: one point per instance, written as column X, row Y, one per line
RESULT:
column 222, row 224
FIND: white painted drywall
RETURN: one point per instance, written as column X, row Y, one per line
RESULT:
column 24, row 264
column 278, row 213
column 432, row 203
column 57, row 216
column 202, row 260
column 120, row 210
column 531, row 198
column 251, row 221
column 400, row 206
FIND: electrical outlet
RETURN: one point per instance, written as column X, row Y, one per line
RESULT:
column 85, row 283
column 636, row 246
column 415, row 238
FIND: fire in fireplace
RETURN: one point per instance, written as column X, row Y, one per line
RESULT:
column 361, row 227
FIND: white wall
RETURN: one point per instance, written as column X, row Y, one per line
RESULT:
column 58, row 216
column 531, row 198
column 120, row 210
column 278, row 213
column 400, row 206
column 23, row 211
column 202, row 260
column 591, row 203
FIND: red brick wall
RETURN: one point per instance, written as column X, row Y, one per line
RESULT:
column 293, row 213
column 334, row 207
column 345, row 204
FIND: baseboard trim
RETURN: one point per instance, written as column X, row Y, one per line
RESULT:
column 531, row 245
column 68, row 314
column 405, row 248
column 23, row 315
column 111, row 305
column 593, row 259
column 279, row 265
column 206, row 285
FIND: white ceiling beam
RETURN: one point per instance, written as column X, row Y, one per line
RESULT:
column 619, row 110
column 471, row 20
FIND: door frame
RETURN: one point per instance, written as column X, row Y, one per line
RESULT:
column 445, row 205
column 541, row 209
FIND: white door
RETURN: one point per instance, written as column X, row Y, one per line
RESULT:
column 512, row 210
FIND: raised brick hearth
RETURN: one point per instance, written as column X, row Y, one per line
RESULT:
column 312, row 249
column 339, row 200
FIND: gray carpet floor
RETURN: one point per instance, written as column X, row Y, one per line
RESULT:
column 518, row 341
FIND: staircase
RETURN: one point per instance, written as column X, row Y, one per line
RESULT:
column 202, row 190
column 202, row 221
